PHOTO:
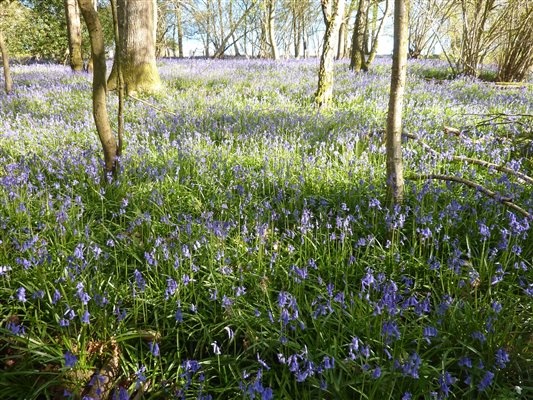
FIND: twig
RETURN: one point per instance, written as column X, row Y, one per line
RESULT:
column 504, row 200
column 153, row 106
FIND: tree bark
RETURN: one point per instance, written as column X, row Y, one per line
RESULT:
column 271, row 28
column 72, row 14
column 101, row 119
column 357, row 59
column 395, row 181
column 333, row 11
column 179, row 22
column 375, row 38
column 8, row 83
column 137, row 28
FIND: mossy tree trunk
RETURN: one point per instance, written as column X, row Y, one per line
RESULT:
column 357, row 58
column 101, row 119
column 395, row 181
column 72, row 14
column 8, row 83
column 333, row 12
column 137, row 28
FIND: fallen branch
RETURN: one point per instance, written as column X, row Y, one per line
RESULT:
column 475, row 161
column 103, row 381
column 504, row 200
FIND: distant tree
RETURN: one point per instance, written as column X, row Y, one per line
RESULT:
column 395, row 181
column 137, row 28
column 333, row 12
column 481, row 26
column 426, row 21
column 101, row 119
column 515, row 55
column 8, row 83
column 72, row 14
column 366, row 33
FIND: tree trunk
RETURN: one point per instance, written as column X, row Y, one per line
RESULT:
column 137, row 28
column 357, row 59
column 340, row 41
column 221, row 49
column 375, row 38
column 8, row 83
column 179, row 22
column 101, row 119
column 333, row 11
column 271, row 28
column 395, row 184
column 72, row 14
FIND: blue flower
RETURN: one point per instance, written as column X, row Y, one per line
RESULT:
column 502, row 358
column 154, row 348
column 486, row 381
column 21, row 294
column 70, row 359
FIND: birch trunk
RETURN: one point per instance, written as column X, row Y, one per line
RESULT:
column 395, row 182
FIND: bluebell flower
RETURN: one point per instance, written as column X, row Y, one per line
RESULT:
column 428, row 332
column 70, row 359
column 445, row 381
column 486, row 381
column 502, row 358
column 465, row 362
column 21, row 294
column 85, row 317
column 154, row 348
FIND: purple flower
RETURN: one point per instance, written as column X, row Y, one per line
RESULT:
column 15, row 329
column 486, row 381
column 445, row 381
column 85, row 317
column 465, row 362
column 179, row 315
column 429, row 331
column 56, row 296
column 154, row 348
column 21, row 294
column 502, row 358
column 390, row 331
column 141, row 283
column 172, row 286
column 479, row 336
column 70, row 360
column 377, row 373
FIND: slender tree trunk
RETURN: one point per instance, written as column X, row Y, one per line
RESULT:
column 375, row 39
column 101, row 119
column 271, row 28
column 8, row 83
column 90, row 61
column 137, row 27
column 333, row 11
column 395, row 183
column 179, row 22
column 357, row 60
column 340, row 41
column 72, row 14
